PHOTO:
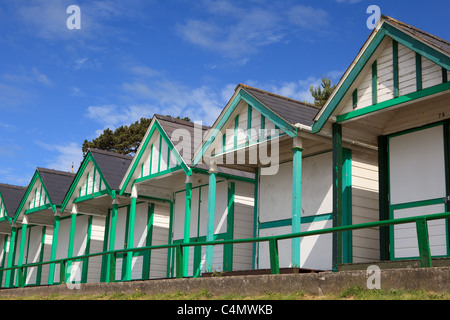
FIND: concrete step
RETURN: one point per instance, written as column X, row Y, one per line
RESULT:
column 395, row 264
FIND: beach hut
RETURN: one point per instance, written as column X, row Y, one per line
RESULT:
column 33, row 223
column 395, row 98
column 270, row 136
column 177, row 193
column 86, row 214
column 10, row 197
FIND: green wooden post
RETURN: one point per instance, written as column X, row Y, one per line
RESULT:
column 337, row 194
column 51, row 272
column 130, row 241
column 187, row 223
column 112, row 268
column 21, row 277
column 211, row 214
column 23, row 237
column 423, row 242
column 73, row 226
column 179, row 261
column 62, row 272
column 12, row 245
column 274, row 259
column 296, row 199
column 112, row 238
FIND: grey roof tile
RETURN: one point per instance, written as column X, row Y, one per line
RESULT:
column 290, row 110
column 12, row 195
column 57, row 183
column 112, row 165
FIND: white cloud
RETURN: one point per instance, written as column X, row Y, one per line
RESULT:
column 348, row 1
column 238, row 31
column 63, row 156
column 299, row 89
column 308, row 17
column 113, row 116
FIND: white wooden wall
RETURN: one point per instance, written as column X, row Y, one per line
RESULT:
column 4, row 240
column 160, row 236
column 416, row 163
column 62, row 244
column 96, row 245
column 365, row 206
column 243, row 225
column 243, row 222
column 275, row 203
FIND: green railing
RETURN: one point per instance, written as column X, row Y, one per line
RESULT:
column 420, row 221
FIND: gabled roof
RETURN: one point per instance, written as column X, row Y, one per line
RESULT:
column 165, row 125
column 55, row 184
column 429, row 46
column 169, row 124
column 293, row 111
column 432, row 40
column 111, row 166
column 284, row 112
column 11, row 195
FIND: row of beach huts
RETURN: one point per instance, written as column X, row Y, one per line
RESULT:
column 378, row 149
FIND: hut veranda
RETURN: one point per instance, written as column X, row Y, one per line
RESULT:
column 379, row 149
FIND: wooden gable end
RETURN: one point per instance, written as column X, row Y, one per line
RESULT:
column 158, row 158
column 91, row 181
column 245, row 126
column 393, row 71
column 37, row 197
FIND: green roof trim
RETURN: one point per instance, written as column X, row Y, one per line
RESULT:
column 397, row 35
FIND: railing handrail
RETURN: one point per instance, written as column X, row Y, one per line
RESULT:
column 424, row 249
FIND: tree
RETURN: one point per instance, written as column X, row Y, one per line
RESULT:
column 124, row 140
column 322, row 92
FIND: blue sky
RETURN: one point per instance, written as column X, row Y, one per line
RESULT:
column 134, row 58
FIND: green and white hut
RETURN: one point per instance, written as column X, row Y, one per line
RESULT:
column 394, row 98
column 33, row 225
column 86, row 212
column 10, row 197
column 269, row 135
column 172, row 200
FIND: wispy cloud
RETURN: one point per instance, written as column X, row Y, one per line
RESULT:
column 113, row 116
column 236, row 31
column 63, row 156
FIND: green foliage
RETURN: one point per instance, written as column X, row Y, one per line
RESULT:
column 322, row 92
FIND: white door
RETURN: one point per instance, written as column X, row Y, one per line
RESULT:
column 417, row 187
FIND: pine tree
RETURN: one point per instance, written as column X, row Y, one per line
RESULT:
column 124, row 140
column 322, row 92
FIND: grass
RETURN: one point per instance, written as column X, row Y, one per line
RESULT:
column 353, row 293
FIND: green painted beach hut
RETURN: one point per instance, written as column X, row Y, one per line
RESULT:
column 86, row 214
column 10, row 197
column 395, row 98
column 33, row 222
column 177, row 193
